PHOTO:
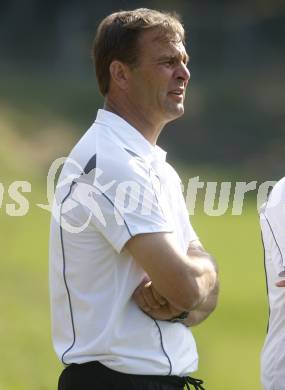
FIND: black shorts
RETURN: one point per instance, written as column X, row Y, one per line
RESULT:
column 96, row 376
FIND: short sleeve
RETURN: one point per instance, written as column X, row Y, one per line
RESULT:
column 192, row 234
column 272, row 218
column 121, row 201
column 188, row 233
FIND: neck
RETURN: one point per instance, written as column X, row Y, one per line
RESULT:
column 134, row 117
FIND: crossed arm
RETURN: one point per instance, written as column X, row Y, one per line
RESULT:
column 157, row 307
column 176, row 282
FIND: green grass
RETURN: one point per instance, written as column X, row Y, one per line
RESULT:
column 28, row 361
column 229, row 342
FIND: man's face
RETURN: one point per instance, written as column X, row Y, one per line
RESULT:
column 157, row 85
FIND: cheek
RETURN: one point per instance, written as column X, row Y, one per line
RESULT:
column 144, row 84
column 166, row 81
column 152, row 86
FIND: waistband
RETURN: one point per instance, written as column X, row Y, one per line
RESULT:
column 166, row 379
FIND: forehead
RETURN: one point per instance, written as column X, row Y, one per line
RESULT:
column 154, row 44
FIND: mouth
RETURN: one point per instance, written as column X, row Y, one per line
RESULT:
column 178, row 94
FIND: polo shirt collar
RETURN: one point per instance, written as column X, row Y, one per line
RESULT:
column 129, row 137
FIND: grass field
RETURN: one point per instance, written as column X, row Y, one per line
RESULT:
column 229, row 342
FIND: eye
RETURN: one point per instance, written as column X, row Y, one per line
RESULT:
column 170, row 62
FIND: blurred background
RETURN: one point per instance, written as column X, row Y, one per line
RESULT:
column 232, row 130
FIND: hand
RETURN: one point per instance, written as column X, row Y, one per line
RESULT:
column 164, row 313
column 152, row 303
column 147, row 297
column 281, row 283
column 202, row 312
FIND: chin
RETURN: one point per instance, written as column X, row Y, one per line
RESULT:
column 173, row 112
column 181, row 110
column 177, row 111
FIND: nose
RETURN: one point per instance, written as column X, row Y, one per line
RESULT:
column 183, row 73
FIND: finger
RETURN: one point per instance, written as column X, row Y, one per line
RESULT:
column 146, row 279
column 163, row 313
column 143, row 282
column 140, row 300
column 149, row 297
column 281, row 283
column 159, row 298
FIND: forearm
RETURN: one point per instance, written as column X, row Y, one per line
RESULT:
column 206, row 279
column 152, row 303
column 207, row 272
column 200, row 279
column 203, row 311
column 187, row 284
column 159, row 308
column 208, row 285
column 185, row 280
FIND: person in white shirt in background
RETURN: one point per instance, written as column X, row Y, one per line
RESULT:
column 272, row 219
column 126, row 282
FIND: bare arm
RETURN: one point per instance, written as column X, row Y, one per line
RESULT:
column 156, row 306
column 201, row 312
column 184, row 281
column 152, row 303
column 281, row 283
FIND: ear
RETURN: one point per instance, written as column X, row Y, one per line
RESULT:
column 119, row 74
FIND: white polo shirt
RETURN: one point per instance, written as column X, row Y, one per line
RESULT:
column 272, row 219
column 114, row 185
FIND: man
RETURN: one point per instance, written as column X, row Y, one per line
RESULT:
column 272, row 218
column 127, row 272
